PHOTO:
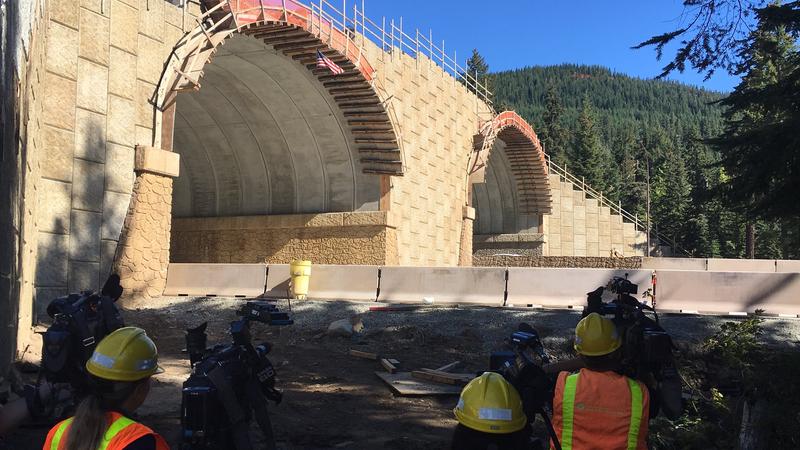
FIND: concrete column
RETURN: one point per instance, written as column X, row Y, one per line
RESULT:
column 465, row 250
column 143, row 252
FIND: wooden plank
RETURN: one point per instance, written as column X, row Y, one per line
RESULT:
column 365, row 355
column 403, row 384
column 394, row 361
column 448, row 367
column 391, row 368
column 442, row 377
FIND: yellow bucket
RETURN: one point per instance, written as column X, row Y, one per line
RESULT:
column 301, row 274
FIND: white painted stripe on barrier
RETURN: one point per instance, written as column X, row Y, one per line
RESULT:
column 278, row 277
column 329, row 282
column 565, row 287
column 224, row 280
column 480, row 285
column 723, row 292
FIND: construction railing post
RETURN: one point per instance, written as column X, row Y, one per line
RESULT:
column 416, row 54
column 392, row 37
column 285, row 14
column 344, row 28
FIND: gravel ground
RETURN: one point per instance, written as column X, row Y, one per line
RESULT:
column 333, row 400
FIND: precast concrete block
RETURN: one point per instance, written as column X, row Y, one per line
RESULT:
column 151, row 19
column 121, row 121
column 64, row 12
column 144, row 110
column 108, row 249
column 92, row 86
column 593, row 249
column 96, row 6
column 119, row 168
column 52, row 260
column 340, row 282
column 151, row 59
column 564, row 287
column 226, row 280
column 115, row 209
column 122, row 74
column 124, row 27
column 84, row 242
column 143, row 135
column 59, row 146
column 54, row 203
column 43, row 296
column 88, row 180
column 741, row 265
column 59, row 103
column 62, row 50
column 90, row 135
column 442, row 285
column 95, row 37
column 592, row 234
column 786, row 266
column 84, row 276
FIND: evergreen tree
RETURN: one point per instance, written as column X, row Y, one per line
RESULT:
column 589, row 155
column 478, row 69
column 760, row 139
column 554, row 135
column 672, row 197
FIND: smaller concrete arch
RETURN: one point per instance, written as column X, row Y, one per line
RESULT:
column 524, row 155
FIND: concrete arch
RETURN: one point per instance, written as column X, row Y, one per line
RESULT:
column 294, row 31
column 522, row 159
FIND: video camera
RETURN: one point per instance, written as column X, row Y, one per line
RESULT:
column 647, row 349
column 80, row 322
column 230, row 384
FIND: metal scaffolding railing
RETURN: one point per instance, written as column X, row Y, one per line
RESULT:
column 389, row 35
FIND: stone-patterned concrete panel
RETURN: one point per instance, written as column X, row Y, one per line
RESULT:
column 121, row 121
column 95, row 32
column 114, row 210
column 124, row 26
column 92, row 91
column 84, row 276
column 90, row 135
column 59, row 103
column 84, row 236
column 62, row 50
column 59, row 146
column 88, row 180
column 122, row 74
column 52, row 261
column 53, row 209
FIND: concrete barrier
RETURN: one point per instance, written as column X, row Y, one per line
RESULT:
column 674, row 263
column 565, row 287
column 329, row 282
column 224, row 280
column 477, row 285
column 741, row 265
column 727, row 292
column 278, row 277
column 784, row 266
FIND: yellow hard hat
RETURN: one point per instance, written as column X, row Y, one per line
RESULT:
column 127, row 354
column 596, row 336
column 490, row 404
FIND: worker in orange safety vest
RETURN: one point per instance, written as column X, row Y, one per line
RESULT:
column 120, row 370
column 598, row 408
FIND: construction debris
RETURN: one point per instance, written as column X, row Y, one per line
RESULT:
column 387, row 364
column 365, row 355
column 449, row 367
column 443, row 377
column 404, row 385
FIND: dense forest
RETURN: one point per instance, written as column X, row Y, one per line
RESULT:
column 630, row 136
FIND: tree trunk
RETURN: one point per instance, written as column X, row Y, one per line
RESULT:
column 750, row 240
column 752, row 435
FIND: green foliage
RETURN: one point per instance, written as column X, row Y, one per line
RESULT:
column 479, row 70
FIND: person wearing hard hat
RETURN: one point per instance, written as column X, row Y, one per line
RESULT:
column 120, row 369
column 490, row 416
column 597, row 408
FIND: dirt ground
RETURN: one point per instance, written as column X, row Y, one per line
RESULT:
column 334, row 400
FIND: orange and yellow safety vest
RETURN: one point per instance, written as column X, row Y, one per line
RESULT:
column 600, row 410
column 121, row 431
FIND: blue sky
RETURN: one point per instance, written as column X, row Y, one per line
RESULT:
column 518, row 33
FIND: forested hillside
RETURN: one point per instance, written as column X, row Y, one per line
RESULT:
column 609, row 128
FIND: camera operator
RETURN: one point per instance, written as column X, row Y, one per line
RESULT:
column 490, row 416
column 598, row 408
column 120, row 369
column 37, row 403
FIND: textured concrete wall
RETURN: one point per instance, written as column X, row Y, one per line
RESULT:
column 22, row 45
column 588, row 262
column 333, row 238
column 438, row 119
column 103, row 60
column 579, row 226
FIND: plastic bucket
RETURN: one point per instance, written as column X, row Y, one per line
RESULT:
column 300, row 271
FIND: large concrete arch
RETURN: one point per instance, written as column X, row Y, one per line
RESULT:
column 263, row 136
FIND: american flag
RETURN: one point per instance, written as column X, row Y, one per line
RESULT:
column 324, row 62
